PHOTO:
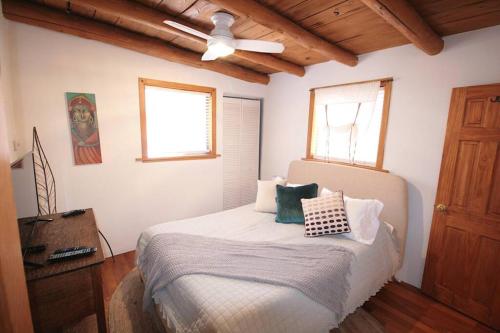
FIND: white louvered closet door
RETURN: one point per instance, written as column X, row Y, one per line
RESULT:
column 241, row 141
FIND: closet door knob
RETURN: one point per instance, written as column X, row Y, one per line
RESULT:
column 441, row 208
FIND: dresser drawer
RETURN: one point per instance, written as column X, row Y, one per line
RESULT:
column 61, row 300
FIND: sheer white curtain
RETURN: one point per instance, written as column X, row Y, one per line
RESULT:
column 347, row 122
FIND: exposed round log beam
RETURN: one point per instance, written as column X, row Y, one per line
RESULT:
column 34, row 14
column 403, row 16
column 153, row 19
column 279, row 23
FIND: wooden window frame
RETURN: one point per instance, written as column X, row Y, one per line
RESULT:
column 385, row 83
column 212, row 153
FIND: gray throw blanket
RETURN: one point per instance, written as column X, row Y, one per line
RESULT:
column 318, row 271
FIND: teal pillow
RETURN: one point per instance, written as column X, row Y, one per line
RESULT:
column 289, row 207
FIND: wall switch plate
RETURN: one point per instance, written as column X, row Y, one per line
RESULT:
column 16, row 145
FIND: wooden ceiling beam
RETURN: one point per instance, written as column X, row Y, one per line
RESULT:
column 153, row 19
column 279, row 23
column 34, row 14
column 404, row 18
column 270, row 61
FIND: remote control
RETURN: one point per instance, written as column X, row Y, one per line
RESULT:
column 34, row 249
column 73, row 212
column 72, row 254
column 37, row 219
column 69, row 249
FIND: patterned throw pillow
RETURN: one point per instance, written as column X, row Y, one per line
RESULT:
column 325, row 215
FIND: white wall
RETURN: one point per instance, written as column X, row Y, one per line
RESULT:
column 127, row 196
column 16, row 145
column 417, row 118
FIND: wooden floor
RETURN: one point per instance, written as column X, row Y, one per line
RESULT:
column 399, row 307
column 114, row 272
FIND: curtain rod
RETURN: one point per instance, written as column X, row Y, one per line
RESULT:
column 386, row 79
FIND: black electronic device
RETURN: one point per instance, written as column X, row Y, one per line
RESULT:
column 34, row 249
column 74, row 212
column 71, row 253
column 69, row 249
column 37, row 219
column 31, row 264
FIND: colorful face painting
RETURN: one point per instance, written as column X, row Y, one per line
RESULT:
column 84, row 129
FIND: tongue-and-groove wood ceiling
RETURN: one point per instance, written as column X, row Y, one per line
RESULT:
column 352, row 26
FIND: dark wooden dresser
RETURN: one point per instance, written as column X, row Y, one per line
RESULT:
column 61, row 294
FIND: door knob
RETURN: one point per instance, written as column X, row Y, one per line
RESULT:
column 441, row 208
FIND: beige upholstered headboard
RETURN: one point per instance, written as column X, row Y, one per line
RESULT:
column 360, row 183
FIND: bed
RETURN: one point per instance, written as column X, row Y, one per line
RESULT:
column 205, row 303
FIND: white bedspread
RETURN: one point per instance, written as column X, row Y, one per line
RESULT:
column 227, row 305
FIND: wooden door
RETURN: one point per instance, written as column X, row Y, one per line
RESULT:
column 14, row 305
column 463, row 259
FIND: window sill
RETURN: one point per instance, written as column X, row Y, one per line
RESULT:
column 177, row 158
column 347, row 164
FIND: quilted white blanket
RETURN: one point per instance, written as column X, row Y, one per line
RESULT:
column 230, row 305
column 318, row 271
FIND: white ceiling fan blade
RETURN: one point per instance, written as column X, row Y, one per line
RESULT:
column 258, row 45
column 209, row 55
column 187, row 29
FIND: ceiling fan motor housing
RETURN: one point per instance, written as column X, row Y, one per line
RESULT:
column 222, row 22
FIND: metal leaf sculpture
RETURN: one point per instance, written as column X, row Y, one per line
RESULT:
column 45, row 184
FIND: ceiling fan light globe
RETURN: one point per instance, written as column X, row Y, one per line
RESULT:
column 220, row 48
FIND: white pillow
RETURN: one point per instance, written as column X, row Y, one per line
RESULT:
column 294, row 185
column 278, row 178
column 266, row 195
column 362, row 215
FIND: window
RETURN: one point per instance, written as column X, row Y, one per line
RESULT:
column 347, row 123
column 177, row 121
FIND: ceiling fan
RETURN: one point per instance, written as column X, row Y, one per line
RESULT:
column 221, row 41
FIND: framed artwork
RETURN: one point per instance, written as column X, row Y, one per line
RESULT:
column 84, row 128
